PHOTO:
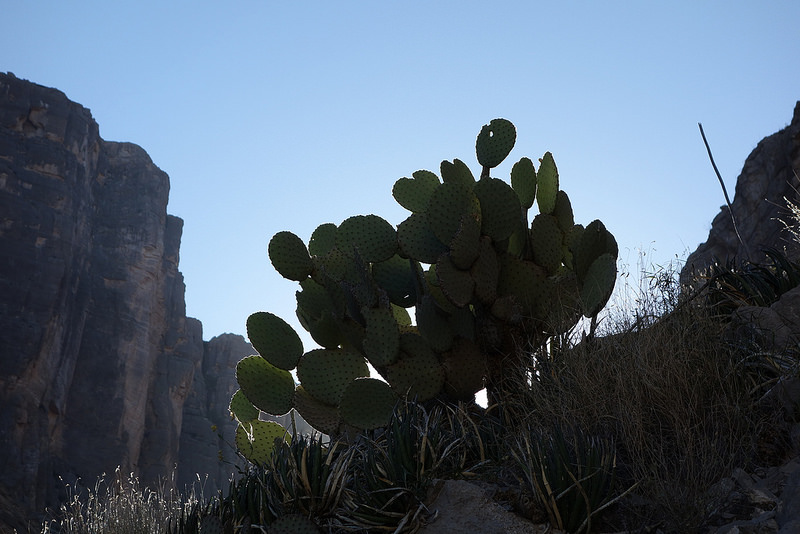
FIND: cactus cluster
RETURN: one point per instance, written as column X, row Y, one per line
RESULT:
column 487, row 284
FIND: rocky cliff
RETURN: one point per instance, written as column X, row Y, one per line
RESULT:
column 99, row 365
column 770, row 176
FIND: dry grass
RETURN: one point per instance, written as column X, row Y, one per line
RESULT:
column 119, row 505
column 664, row 384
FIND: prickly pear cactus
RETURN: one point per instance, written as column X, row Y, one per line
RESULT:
column 486, row 281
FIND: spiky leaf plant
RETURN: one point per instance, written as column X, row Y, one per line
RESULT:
column 397, row 465
column 309, row 477
column 572, row 475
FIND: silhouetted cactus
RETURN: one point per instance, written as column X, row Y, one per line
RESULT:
column 488, row 284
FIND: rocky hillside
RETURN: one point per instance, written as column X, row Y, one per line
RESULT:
column 770, row 176
column 99, row 365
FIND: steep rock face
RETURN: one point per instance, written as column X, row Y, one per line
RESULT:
column 208, row 430
column 97, row 356
column 770, row 175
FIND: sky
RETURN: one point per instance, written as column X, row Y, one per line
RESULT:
column 272, row 116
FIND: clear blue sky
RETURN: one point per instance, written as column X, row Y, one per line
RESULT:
column 274, row 116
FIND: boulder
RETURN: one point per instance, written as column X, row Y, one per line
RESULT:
column 774, row 328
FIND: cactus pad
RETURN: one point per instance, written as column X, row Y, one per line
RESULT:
column 415, row 193
column 323, row 417
column 382, row 336
column 417, row 373
column 449, row 203
column 326, row 373
column 598, row 284
column 465, row 369
column 417, row 240
column 494, row 142
column 594, row 241
column 457, row 172
column 373, row 237
column 274, row 339
column 367, row 403
column 465, row 247
column 456, row 284
column 500, row 208
column 256, row 439
column 335, row 264
column 486, row 271
column 241, row 408
column 527, row 284
column 546, row 242
column 323, row 239
column 563, row 212
column 523, row 181
column 267, row 387
column 324, row 330
column 314, row 300
column 547, row 184
column 462, row 323
column 433, row 325
column 289, row 256
column 397, row 278
column 401, row 315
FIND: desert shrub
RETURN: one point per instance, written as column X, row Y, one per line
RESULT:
column 665, row 385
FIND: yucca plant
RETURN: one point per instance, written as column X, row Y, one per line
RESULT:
column 309, row 476
column 391, row 477
column 247, row 502
column 201, row 518
column 474, row 438
column 381, row 499
column 571, row 473
column 398, row 464
column 746, row 283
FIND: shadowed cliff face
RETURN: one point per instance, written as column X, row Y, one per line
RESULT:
column 97, row 356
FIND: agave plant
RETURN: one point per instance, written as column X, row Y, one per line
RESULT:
column 570, row 473
column 309, row 476
column 733, row 284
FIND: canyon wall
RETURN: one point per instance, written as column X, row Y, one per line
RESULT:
column 99, row 365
